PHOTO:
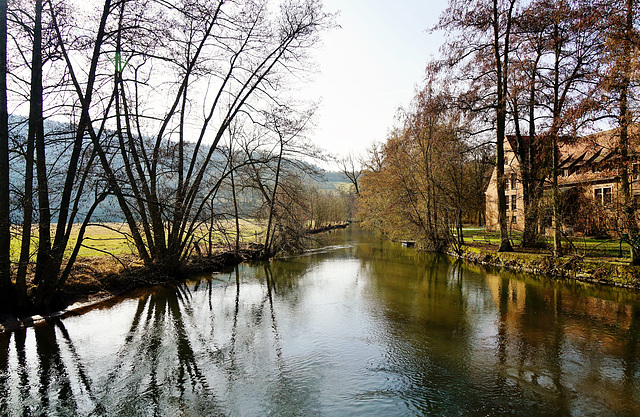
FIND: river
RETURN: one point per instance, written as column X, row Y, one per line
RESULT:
column 357, row 327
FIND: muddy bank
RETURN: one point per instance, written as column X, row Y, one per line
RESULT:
column 606, row 273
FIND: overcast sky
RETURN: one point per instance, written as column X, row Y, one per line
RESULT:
column 369, row 68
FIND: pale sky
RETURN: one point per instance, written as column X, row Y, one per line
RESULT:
column 369, row 68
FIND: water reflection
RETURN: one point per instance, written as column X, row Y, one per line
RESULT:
column 363, row 328
column 540, row 345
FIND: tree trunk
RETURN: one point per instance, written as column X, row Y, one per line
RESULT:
column 625, row 120
column 555, row 152
column 269, row 237
column 555, row 200
column 235, row 212
column 49, row 279
column 532, row 179
column 5, row 224
column 501, row 65
column 27, row 222
column 36, row 121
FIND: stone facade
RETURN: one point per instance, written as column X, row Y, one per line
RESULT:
column 513, row 192
column 588, row 178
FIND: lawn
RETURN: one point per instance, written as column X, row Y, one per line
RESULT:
column 112, row 238
column 588, row 247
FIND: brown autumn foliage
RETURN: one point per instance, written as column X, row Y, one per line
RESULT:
column 421, row 184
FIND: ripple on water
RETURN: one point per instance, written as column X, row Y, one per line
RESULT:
column 363, row 329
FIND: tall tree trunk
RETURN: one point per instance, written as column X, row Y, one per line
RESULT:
column 269, row 237
column 531, row 179
column 501, row 63
column 27, row 222
column 36, row 121
column 235, row 210
column 625, row 120
column 555, row 152
column 66, row 218
column 5, row 224
column 555, row 199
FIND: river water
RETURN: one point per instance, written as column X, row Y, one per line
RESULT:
column 359, row 327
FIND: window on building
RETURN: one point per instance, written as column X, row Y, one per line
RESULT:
column 603, row 195
column 595, row 169
column 514, row 219
column 513, row 202
column 565, row 172
column 635, row 170
column 606, row 196
column 513, row 181
column 507, row 202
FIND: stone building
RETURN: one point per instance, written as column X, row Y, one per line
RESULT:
column 588, row 182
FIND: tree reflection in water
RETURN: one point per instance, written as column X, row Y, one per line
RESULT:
column 4, row 371
column 157, row 365
column 368, row 330
column 184, row 348
column 549, row 348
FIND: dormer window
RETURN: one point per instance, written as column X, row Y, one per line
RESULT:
column 565, row 172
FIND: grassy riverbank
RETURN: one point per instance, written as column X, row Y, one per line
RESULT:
column 113, row 239
column 601, row 270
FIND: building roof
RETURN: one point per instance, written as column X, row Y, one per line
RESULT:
column 587, row 159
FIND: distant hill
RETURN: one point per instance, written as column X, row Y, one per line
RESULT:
column 60, row 135
column 332, row 180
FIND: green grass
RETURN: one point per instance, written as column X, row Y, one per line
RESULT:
column 104, row 238
column 588, row 247
column 97, row 239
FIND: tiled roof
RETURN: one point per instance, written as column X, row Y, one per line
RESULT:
column 589, row 158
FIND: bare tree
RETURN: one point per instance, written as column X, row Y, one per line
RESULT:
column 487, row 29
column 531, row 45
column 276, row 171
column 349, row 166
column 48, row 270
column 618, row 88
column 236, row 51
column 574, row 52
column 418, row 188
column 5, row 223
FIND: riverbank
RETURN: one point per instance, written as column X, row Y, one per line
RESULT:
column 617, row 274
column 95, row 281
